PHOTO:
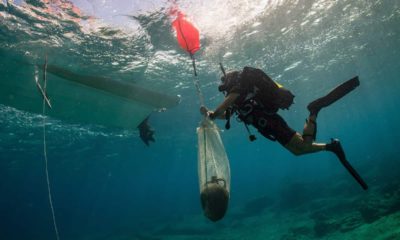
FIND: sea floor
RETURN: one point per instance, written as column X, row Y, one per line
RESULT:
column 303, row 212
column 375, row 217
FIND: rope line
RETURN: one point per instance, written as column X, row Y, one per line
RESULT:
column 183, row 36
column 45, row 152
column 196, row 83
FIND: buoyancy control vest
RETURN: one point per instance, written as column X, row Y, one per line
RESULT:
column 254, row 84
column 257, row 91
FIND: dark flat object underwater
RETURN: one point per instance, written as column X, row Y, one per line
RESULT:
column 126, row 90
column 146, row 133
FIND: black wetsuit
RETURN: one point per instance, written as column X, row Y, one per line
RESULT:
column 259, row 102
column 270, row 124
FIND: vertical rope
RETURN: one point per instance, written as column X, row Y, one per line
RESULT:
column 198, row 90
column 45, row 152
column 195, row 80
column 193, row 64
column 199, row 94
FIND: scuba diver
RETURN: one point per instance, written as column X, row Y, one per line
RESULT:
column 255, row 98
column 146, row 132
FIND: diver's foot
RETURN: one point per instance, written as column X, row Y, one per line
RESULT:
column 315, row 106
column 336, row 148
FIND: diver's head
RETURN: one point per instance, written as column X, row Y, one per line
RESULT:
column 228, row 81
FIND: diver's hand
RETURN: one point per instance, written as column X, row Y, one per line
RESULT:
column 204, row 111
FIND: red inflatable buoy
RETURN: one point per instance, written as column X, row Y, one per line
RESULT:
column 187, row 35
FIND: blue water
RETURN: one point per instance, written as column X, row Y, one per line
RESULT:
column 107, row 184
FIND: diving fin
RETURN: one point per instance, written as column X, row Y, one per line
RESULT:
column 337, row 149
column 337, row 93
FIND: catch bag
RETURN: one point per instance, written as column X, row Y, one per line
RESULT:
column 213, row 170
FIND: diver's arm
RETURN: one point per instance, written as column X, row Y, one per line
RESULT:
column 220, row 110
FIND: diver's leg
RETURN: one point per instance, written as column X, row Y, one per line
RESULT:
column 298, row 146
column 310, row 129
column 277, row 127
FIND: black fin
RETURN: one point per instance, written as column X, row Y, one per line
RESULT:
column 337, row 149
column 334, row 95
